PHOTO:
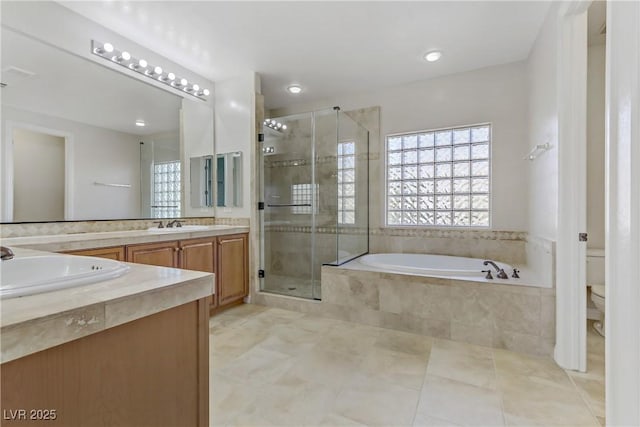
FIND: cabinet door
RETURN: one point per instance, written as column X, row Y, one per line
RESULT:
column 116, row 253
column 199, row 255
column 232, row 283
column 164, row 254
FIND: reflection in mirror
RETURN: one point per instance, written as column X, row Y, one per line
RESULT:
column 160, row 175
column 88, row 142
column 229, row 179
column 201, row 181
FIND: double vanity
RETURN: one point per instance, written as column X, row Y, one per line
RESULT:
column 131, row 348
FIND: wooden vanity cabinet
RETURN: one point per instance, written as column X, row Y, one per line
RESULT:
column 192, row 254
column 233, row 269
column 116, row 252
column 226, row 256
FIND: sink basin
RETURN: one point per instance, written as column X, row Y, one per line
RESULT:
column 183, row 229
column 23, row 276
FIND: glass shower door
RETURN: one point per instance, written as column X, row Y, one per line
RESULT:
column 290, row 200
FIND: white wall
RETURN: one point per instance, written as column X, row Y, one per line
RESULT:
column 495, row 94
column 235, row 131
column 543, row 127
column 595, row 145
column 99, row 155
column 38, row 176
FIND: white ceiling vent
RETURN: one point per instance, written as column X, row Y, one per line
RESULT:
column 13, row 75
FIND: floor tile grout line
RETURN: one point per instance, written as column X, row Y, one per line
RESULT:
column 584, row 399
column 424, row 380
column 498, row 388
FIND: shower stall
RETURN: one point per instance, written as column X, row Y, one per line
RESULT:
column 314, row 183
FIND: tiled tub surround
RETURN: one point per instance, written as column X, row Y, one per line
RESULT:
column 37, row 322
column 518, row 318
column 73, row 227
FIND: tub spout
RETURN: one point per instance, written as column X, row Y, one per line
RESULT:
column 493, row 264
column 501, row 273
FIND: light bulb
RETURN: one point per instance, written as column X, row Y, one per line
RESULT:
column 142, row 63
column 284, row 127
column 294, row 89
column 107, row 47
column 157, row 70
column 183, row 82
column 195, row 87
column 206, row 92
column 125, row 55
column 171, row 76
column 433, row 56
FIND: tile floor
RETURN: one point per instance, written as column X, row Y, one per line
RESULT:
column 292, row 286
column 283, row 368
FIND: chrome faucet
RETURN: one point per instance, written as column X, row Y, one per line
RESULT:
column 175, row 222
column 6, row 253
column 501, row 273
column 160, row 225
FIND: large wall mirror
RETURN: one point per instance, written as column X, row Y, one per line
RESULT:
column 83, row 142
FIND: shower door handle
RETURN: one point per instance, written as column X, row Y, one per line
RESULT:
column 290, row 205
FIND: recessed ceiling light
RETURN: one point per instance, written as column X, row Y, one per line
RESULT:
column 294, row 89
column 140, row 123
column 433, row 56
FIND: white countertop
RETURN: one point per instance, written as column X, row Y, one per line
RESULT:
column 33, row 323
column 78, row 241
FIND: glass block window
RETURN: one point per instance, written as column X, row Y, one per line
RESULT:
column 166, row 190
column 302, row 195
column 440, row 178
column 347, row 182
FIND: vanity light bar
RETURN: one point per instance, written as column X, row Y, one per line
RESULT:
column 125, row 59
column 275, row 125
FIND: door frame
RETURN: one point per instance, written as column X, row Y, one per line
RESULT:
column 571, row 300
column 8, row 166
column 622, row 215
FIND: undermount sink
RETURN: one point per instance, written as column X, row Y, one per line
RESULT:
column 23, row 276
column 183, row 229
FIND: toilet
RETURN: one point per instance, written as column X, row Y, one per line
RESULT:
column 597, row 296
column 595, row 279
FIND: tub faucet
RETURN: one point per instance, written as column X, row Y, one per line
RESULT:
column 6, row 253
column 501, row 273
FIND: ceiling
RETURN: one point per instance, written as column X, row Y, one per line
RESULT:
column 73, row 88
column 328, row 47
